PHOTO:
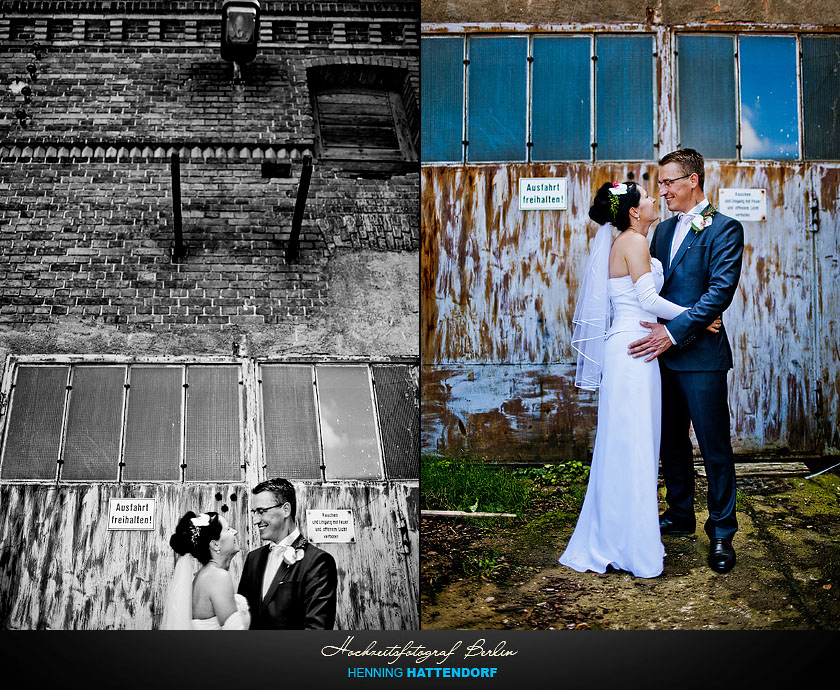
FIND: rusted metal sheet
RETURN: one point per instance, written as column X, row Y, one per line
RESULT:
column 378, row 586
column 500, row 284
column 507, row 413
column 62, row 569
column 770, row 322
column 826, row 239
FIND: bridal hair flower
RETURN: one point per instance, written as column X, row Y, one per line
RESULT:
column 616, row 191
column 197, row 523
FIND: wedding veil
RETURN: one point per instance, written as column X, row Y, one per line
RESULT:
column 592, row 313
column 177, row 613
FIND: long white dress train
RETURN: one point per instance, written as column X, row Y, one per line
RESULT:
column 619, row 521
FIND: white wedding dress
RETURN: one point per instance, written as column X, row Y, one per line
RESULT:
column 177, row 611
column 238, row 620
column 619, row 522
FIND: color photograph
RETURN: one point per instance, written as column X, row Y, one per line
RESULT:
column 629, row 333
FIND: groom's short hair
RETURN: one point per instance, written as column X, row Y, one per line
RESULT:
column 689, row 160
column 282, row 490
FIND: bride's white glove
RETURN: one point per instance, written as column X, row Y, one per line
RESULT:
column 651, row 301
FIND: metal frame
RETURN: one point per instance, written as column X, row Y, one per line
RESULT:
column 665, row 124
column 251, row 415
column 13, row 364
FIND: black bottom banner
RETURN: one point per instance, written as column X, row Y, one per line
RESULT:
column 410, row 659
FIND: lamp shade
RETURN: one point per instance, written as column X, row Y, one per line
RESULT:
column 240, row 30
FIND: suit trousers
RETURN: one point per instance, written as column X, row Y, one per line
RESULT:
column 698, row 398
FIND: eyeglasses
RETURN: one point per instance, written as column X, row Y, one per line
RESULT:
column 668, row 182
column 259, row 512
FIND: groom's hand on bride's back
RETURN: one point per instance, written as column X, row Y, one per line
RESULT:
column 653, row 345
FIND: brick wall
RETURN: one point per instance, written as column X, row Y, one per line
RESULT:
column 86, row 211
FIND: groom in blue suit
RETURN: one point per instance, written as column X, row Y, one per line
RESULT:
column 701, row 251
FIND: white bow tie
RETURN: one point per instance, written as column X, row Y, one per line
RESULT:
column 281, row 547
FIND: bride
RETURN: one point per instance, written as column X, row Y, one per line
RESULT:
column 205, row 601
column 618, row 526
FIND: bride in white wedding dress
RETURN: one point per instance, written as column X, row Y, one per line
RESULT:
column 618, row 526
column 204, row 600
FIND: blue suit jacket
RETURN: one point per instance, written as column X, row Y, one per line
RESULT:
column 703, row 276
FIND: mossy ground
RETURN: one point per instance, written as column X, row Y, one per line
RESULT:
column 503, row 573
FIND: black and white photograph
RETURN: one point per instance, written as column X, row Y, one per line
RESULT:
column 209, row 315
column 459, row 336
column 629, row 308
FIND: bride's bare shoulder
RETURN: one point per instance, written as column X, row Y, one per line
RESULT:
column 632, row 244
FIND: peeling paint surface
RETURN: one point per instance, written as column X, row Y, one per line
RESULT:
column 61, row 569
column 499, row 288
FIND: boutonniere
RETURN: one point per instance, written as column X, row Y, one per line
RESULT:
column 294, row 553
column 704, row 220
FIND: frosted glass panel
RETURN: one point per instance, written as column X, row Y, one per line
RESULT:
column 560, row 98
column 94, row 421
column 442, row 99
column 624, row 118
column 290, row 422
column 707, row 115
column 211, row 450
column 348, row 425
column 153, row 426
column 769, row 114
column 497, row 104
column 399, row 420
column 821, row 96
column 37, row 415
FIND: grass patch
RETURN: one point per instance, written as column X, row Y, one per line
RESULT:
column 469, row 485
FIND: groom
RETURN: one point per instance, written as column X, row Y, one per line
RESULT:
column 289, row 583
column 701, row 252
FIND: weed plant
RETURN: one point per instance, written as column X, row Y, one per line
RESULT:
column 563, row 475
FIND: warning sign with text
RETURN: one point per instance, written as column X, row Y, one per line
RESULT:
column 743, row 204
column 334, row 526
column 131, row 513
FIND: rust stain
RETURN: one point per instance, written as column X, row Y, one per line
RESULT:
column 518, row 276
column 829, row 188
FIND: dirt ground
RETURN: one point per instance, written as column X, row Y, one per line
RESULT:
column 503, row 574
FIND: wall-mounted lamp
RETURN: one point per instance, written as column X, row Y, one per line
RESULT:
column 22, row 116
column 27, row 94
column 32, row 68
column 240, row 32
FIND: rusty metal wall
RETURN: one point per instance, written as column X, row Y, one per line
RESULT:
column 62, row 569
column 499, row 287
column 825, row 204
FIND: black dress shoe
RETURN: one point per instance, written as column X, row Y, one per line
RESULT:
column 721, row 556
column 669, row 526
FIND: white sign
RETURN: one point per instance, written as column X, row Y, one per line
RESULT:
column 542, row 193
column 131, row 513
column 336, row 526
column 743, row 204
